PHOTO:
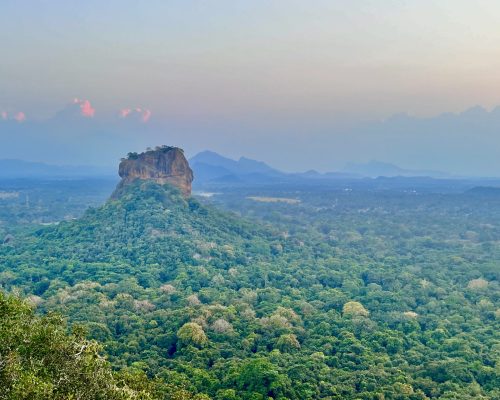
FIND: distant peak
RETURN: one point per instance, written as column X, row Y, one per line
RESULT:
column 209, row 152
column 475, row 111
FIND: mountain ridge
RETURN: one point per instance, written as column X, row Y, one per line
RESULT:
column 374, row 169
column 211, row 167
column 15, row 168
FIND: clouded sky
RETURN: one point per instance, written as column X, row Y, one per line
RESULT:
column 246, row 70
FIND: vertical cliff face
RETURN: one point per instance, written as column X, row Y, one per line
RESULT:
column 163, row 165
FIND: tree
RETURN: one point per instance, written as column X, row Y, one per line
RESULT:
column 355, row 309
column 192, row 333
column 288, row 343
column 40, row 361
column 260, row 376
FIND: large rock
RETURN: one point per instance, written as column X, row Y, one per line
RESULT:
column 163, row 165
column 9, row 239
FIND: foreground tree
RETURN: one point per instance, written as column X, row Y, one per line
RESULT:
column 40, row 360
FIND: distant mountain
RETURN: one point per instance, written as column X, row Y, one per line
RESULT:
column 242, row 166
column 211, row 166
column 27, row 169
column 315, row 175
column 374, row 169
column 484, row 191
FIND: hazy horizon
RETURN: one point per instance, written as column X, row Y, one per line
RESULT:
column 296, row 85
column 449, row 142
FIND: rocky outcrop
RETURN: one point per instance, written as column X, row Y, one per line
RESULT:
column 163, row 165
column 9, row 239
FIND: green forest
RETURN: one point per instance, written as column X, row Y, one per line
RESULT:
column 341, row 294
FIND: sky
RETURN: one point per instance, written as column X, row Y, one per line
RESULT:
column 299, row 84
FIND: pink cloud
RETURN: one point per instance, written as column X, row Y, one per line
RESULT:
column 146, row 115
column 86, row 108
column 125, row 112
column 20, row 116
column 142, row 113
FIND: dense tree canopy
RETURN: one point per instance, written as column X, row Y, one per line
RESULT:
column 41, row 359
column 365, row 296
